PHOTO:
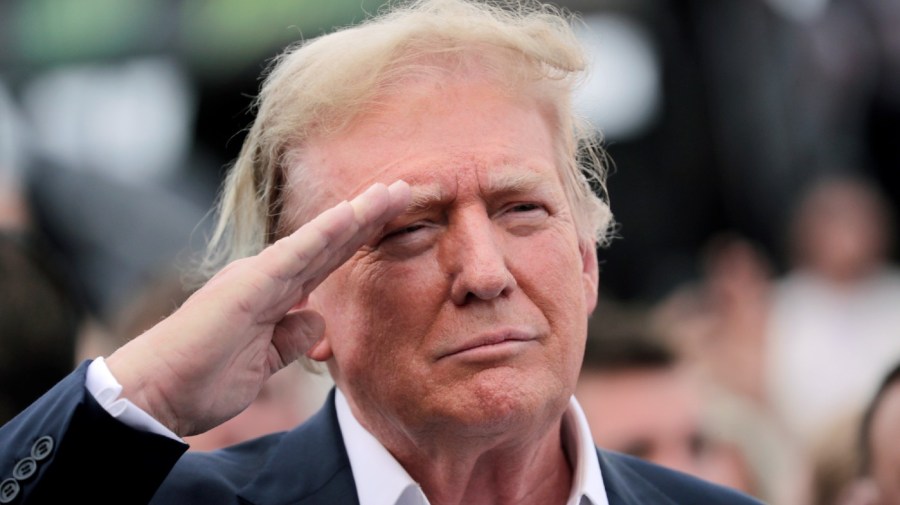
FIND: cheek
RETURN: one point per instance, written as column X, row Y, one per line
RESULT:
column 375, row 310
column 548, row 272
column 553, row 268
column 551, row 260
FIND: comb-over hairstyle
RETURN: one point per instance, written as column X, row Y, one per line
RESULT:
column 317, row 88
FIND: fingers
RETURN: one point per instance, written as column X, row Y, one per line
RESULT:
column 300, row 261
column 370, row 206
column 293, row 254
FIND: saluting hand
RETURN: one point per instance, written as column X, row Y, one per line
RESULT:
column 208, row 361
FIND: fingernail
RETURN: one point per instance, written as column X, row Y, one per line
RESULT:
column 400, row 188
column 373, row 188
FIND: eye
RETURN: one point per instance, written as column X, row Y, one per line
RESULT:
column 410, row 240
column 525, row 210
column 409, row 235
column 522, row 218
column 405, row 231
column 525, row 207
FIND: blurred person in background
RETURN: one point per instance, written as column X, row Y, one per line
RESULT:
column 717, row 325
column 638, row 401
column 863, row 459
column 643, row 399
column 718, row 322
column 834, row 329
column 880, row 440
column 835, row 461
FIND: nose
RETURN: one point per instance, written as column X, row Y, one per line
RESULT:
column 478, row 261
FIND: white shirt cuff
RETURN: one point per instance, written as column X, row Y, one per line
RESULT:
column 104, row 387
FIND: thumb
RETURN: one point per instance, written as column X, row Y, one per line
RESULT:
column 297, row 333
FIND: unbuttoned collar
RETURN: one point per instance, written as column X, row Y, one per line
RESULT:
column 381, row 480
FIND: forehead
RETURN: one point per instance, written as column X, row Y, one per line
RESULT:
column 442, row 139
column 440, row 185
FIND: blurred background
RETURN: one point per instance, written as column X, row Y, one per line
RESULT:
column 716, row 116
column 754, row 171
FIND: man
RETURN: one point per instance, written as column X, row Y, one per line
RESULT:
column 449, row 297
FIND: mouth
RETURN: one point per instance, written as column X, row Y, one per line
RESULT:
column 493, row 345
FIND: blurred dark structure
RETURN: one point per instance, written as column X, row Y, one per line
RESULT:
column 758, row 100
column 745, row 101
column 41, row 317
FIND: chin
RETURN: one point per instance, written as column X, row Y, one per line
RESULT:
column 496, row 401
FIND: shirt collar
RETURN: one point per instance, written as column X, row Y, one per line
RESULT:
column 381, row 480
column 587, row 481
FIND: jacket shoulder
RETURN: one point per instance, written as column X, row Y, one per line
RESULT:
column 216, row 476
column 633, row 480
column 305, row 465
column 66, row 438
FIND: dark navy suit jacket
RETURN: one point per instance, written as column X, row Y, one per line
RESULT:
column 66, row 449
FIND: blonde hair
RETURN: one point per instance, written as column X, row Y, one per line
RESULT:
column 318, row 87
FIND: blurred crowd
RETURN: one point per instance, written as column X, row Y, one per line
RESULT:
column 749, row 331
column 776, row 371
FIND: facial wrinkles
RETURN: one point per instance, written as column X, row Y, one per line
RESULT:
column 387, row 316
column 465, row 201
column 510, row 183
column 461, row 192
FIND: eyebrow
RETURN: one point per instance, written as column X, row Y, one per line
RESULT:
column 512, row 179
column 506, row 180
column 424, row 197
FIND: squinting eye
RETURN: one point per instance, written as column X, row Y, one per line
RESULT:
column 407, row 230
column 408, row 241
column 525, row 207
column 523, row 218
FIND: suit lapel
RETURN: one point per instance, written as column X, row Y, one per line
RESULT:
column 625, row 486
column 309, row 467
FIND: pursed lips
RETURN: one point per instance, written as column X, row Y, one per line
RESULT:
column 490, row 339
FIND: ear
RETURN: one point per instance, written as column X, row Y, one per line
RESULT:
column 321, row 349
column 590, row 273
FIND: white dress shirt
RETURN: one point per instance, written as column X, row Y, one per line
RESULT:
column 380, row 479
column 105, row 388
